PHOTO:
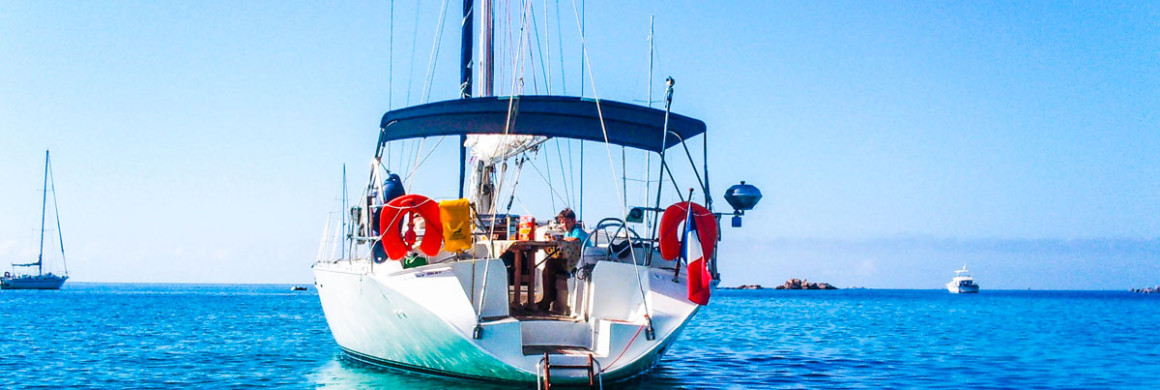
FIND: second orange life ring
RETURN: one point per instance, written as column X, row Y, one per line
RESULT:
column 396, row 243
column 669, row 236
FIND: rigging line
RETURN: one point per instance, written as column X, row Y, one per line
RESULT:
column 508, row 40
column 411, row 67
column 56, row 212
column 528, row 25
column 512, row 110
column 434, row 54
column 548, row 166
column 380, row 165
column 546, row 59
column 518, row 61
column 564, row 178
column 495, row 197
column 607, row 147
column 425, row 157
column 535, row 83
column 673, row 180
column 571, row 175
column 600, row 114
column 624, row 176
column 407, row 147
column 695, row 171
column 391, row 60
column 411, row 152
column 548, row 181
column 499, row 183
column 418, row 152
column 515, row 183
column 512, row 107
column 515, row 45
column 400, row 162
column 43, row 200
column 523, row 206
column 581, row 22
column 539, row 49
column 531, row 53
column 560, row 47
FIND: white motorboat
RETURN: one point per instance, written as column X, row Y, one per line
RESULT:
column 448, row 284
column 41, row 280
column 962, row 283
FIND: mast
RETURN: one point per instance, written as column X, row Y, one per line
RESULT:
column 43, row 206
column 465, row 79
column 486, row 50
column 465, row 50
column 484, row 188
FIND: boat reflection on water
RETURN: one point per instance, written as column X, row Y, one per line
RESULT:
column 342, row 372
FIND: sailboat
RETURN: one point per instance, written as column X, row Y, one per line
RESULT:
column 457, row 285
column 15, row 280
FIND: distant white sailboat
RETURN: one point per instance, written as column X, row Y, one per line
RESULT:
column 15, row 280
column 962, row 283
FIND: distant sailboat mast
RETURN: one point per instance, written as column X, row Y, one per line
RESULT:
column 43, row 207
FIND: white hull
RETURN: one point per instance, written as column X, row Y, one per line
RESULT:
column 32, row 282
column 424, row 319
column 962, row 290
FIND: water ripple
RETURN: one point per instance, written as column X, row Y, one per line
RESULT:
column 160, row 336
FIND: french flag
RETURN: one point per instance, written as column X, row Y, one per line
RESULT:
column 699, row 278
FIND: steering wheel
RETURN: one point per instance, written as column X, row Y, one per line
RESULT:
column 619, row 237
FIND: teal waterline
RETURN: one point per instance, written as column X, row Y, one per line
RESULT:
column 213, row 336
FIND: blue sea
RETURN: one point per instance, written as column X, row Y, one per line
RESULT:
column 246, row 336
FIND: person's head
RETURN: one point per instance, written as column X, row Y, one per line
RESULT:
column 567, row 218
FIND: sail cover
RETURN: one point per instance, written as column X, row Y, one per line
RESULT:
column 551, row 116
column 494, row 148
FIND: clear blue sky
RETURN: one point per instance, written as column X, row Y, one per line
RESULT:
column 203, row 142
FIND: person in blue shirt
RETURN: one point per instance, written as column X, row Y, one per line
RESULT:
column 555, row 270
column 572, row 231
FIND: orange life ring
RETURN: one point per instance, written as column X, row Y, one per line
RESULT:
column 670, row 236
column 398, row 244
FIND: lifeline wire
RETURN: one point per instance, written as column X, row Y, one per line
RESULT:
column 608, row 148
column 434, row 54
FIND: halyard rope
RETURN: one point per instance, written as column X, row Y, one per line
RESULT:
column 608, row 149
